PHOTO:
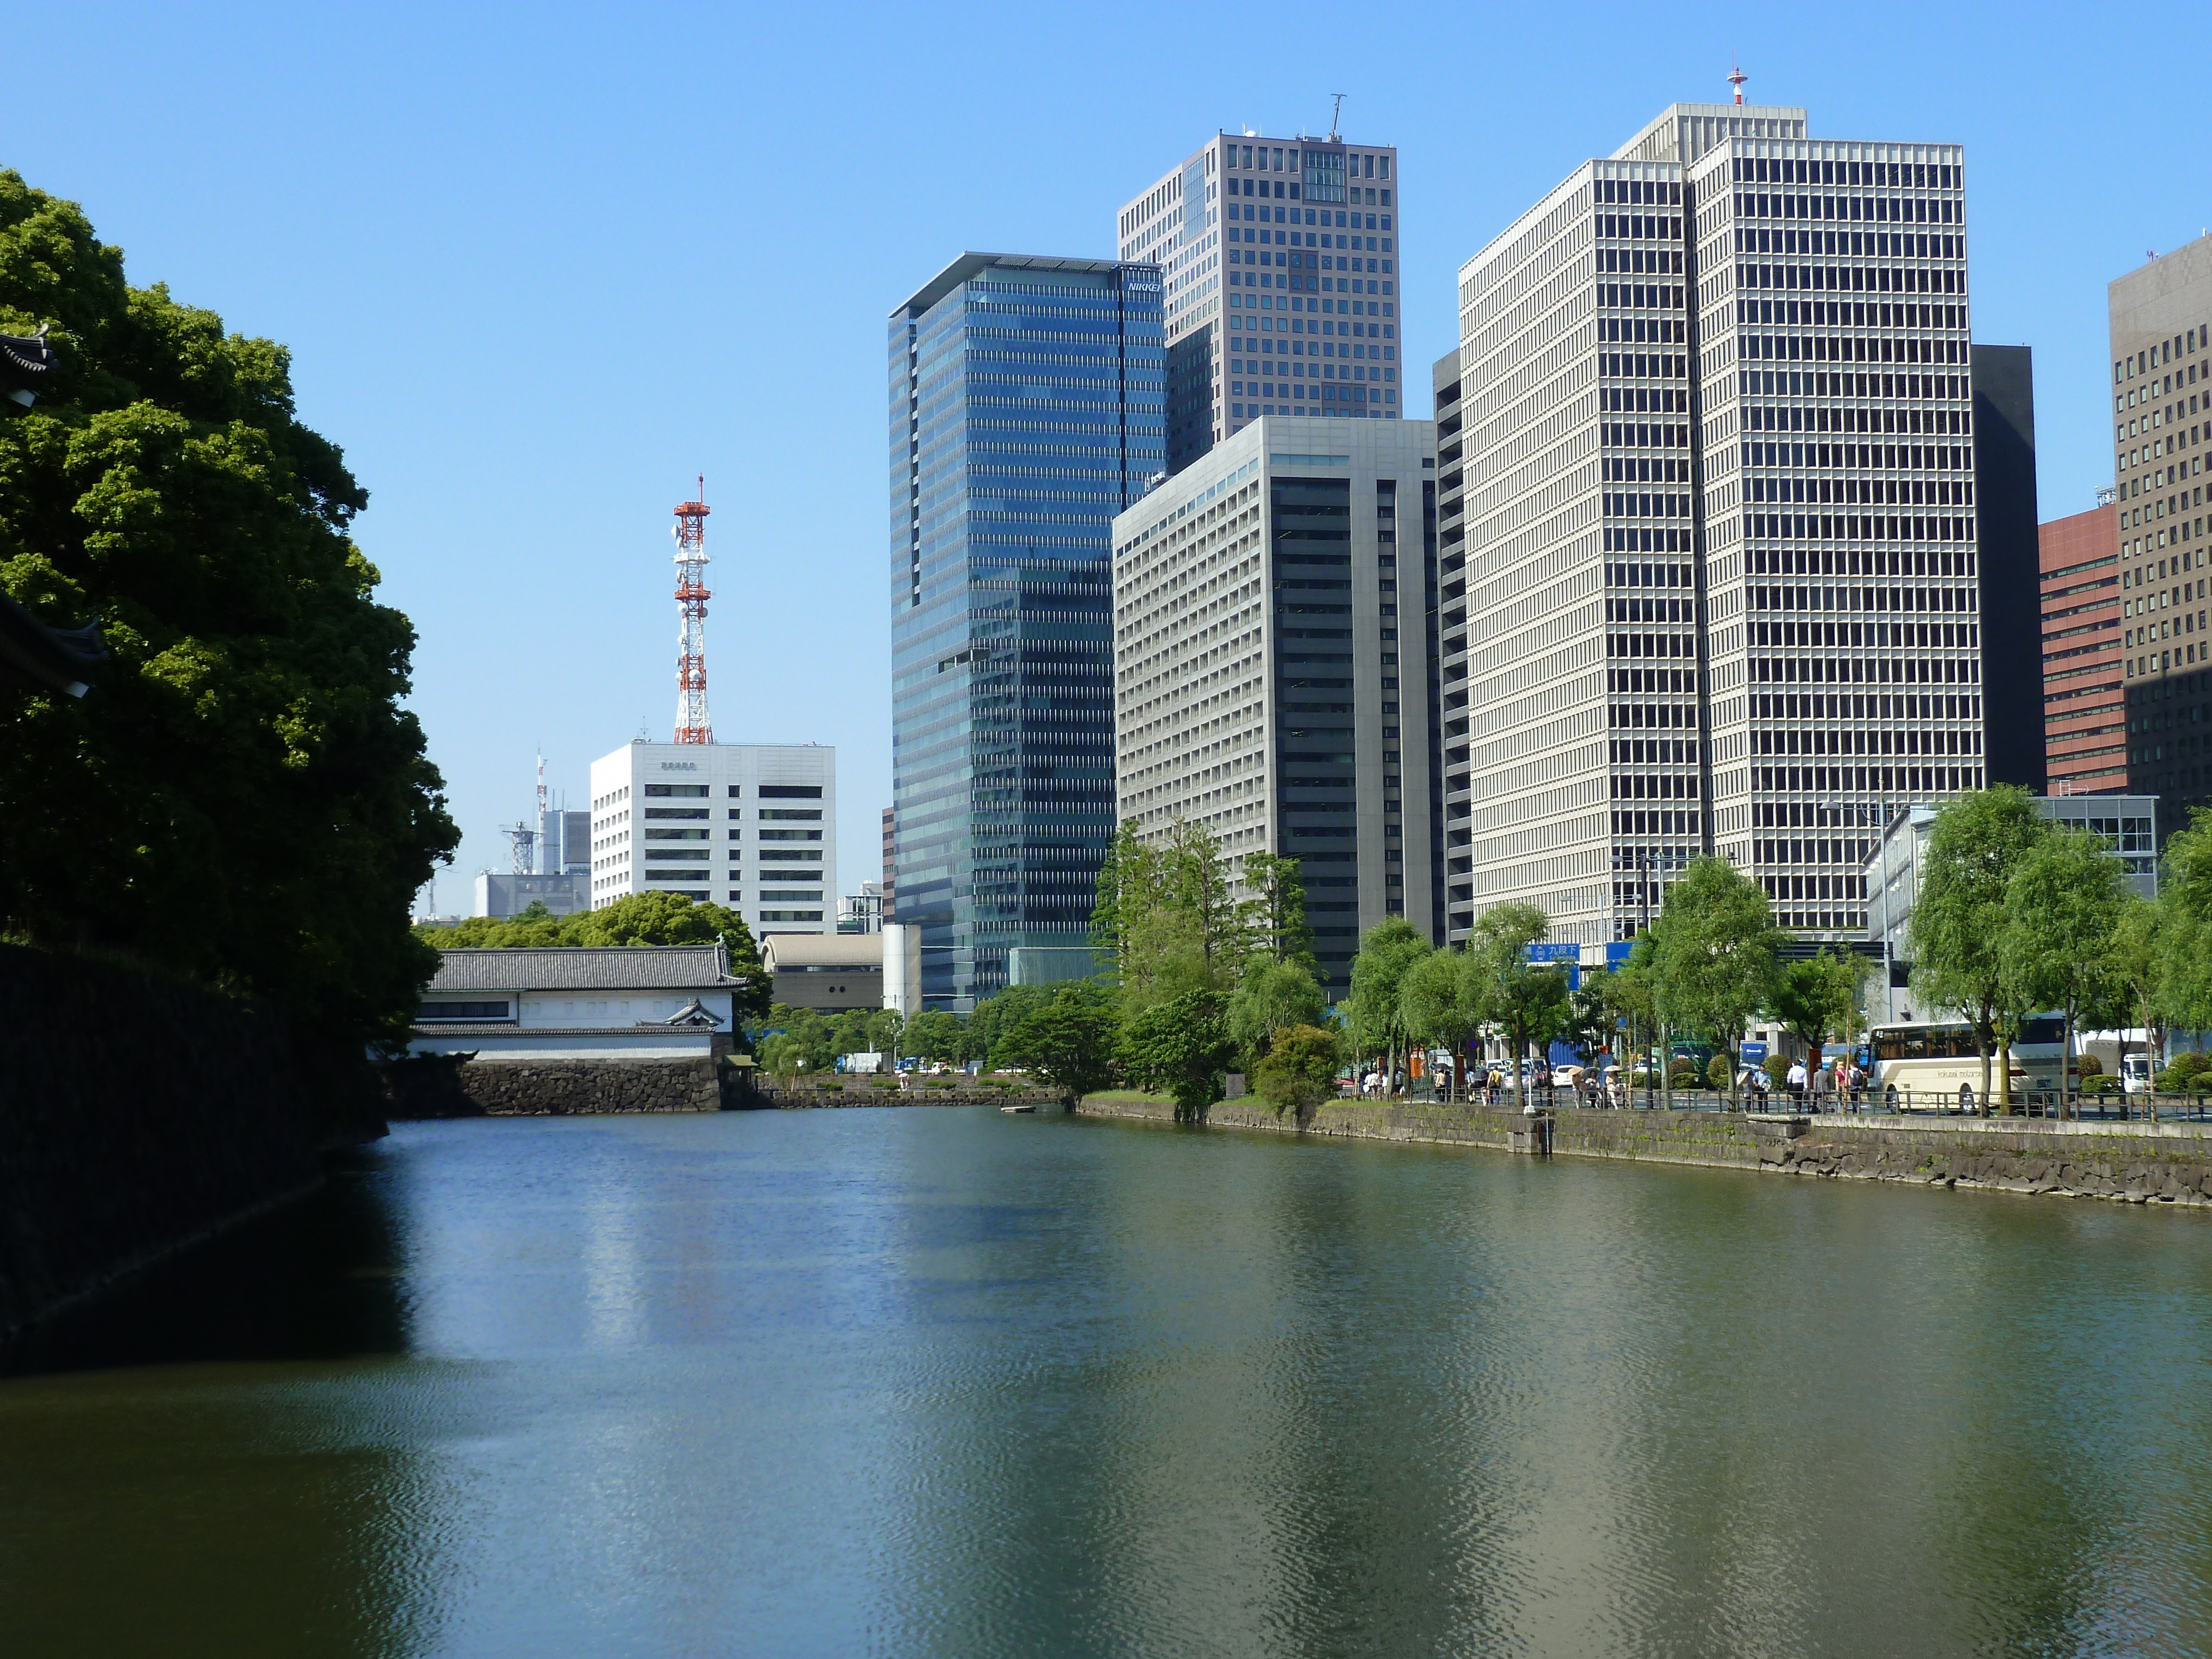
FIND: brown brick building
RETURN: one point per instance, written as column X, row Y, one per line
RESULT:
column 2084, row 723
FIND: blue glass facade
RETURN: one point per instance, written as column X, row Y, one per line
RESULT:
column 1027, row 408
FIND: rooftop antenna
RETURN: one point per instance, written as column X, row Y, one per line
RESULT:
column 1335, row 109
column 1736, row 78
column 692, row 724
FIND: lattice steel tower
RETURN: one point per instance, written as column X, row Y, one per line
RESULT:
column 692, row 724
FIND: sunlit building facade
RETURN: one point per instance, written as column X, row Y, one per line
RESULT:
column 1279, row 261
column 1707, row 528
column 1025, row 412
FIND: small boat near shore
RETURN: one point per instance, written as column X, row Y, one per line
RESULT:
column 1026, row 1106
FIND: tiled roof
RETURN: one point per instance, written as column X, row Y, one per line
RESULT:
column 853, row 953
column 586, row 968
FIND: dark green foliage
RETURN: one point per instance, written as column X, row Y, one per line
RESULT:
column 1300, row 1070
column 1272, row 996
column 936, row 1037
column 800, row 1041
column 1276, row 929
column 1068, row 1042
column 242, row 799
column 995, row 1017
column 1181, row 1046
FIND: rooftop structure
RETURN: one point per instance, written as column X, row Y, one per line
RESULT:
column 1275, row 252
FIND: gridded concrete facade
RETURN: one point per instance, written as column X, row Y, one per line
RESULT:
column 1270, row 608
column 2161, row 334
column 1280, row 258
column 1706, row 495
column 752, row 826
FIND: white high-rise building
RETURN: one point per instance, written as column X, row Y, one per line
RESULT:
column 1706, row 524
column 752, row 826
column 1270, row 645
column 1280, row 257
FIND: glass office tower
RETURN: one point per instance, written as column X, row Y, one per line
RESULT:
column 1026, row 411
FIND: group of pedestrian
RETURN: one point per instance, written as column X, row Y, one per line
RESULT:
column 1834, row 1085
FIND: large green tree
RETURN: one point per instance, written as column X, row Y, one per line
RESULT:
column 242, row 797
column 1714, row 951
column 1300, row 1071
column 1274, row 911
column 1181, row 1045
column 1375, row 1008
column 1957, row 931
column 1069, row 1042
column 1440, row 1002
column 2185, row 935
column 1818, row 997
column 1271, row 997
column 1525, row 1002
column 2062, row 903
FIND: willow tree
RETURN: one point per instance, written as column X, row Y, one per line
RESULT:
column 1523, row 1001
column 1957, row 931
column 2185, row 938
column 1714, row 951
column 242, row 797
column 1373, row 1010
column 1439, row 1003
column 2063, row 902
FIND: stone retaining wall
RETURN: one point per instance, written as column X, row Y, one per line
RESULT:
column 2169, row 1163
column 450, row 1085
column 859, row 1091
column 139, row 1117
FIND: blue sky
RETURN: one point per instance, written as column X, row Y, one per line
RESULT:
column 539, row 266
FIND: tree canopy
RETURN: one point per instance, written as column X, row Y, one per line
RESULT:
column 1069, row 1040
column 242, row 797
column 1714, row 950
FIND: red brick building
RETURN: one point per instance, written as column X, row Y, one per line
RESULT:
column 2084, row 725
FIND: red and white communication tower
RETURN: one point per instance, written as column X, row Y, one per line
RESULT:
column 692, row 724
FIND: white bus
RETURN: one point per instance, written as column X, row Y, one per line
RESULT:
column 1934, row 1067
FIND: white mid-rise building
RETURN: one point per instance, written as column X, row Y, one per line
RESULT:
column 1272, row 618
column 1707, row 528
column 1279, row 261
column 750, row 826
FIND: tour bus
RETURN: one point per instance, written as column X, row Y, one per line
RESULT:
column 1933, row 1066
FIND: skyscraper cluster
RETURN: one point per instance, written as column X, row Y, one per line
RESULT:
column 1721, row 541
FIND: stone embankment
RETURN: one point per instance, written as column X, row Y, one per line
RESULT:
column 801, row 1093
column 2135, row 1163
column 140, row 1116
column 453, row 1085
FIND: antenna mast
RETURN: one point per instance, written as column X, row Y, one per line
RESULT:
column 1335, row 110
column 692, row 724
column 1736, row 78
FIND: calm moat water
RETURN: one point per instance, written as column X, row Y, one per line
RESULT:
column 945, row 1382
